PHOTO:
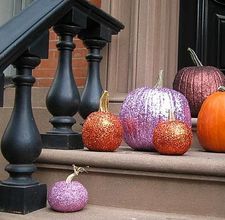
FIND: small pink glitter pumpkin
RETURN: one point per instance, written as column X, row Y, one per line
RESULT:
column 68, row 196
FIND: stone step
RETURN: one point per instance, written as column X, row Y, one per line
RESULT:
column 193, row 184
column 93, row 212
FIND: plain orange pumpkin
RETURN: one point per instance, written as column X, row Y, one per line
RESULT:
column 211, row 122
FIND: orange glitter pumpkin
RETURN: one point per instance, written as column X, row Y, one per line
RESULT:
column 102, row 130
column 172, row 137
column 211, row 122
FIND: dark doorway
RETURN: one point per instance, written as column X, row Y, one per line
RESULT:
column 202, row 27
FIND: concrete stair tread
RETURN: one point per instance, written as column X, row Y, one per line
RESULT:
column 192, row 184
column 94, row 212
column 194, row 162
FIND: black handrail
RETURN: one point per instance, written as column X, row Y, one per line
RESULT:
column 17, row 34
column 99, row 16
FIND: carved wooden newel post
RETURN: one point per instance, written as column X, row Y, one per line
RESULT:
column 21, row 145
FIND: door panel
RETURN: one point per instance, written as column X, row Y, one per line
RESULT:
column 148, row 43
column 202, row 27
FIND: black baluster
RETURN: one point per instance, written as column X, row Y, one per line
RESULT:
column 93, row 88
column 63, row 99
column 2, row 82
column 95, row 37
column 21, row 145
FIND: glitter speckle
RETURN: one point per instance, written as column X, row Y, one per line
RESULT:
column 144, row 108
column 172, row 137
column 197, row 83
column 67, row 197
column 102, row 131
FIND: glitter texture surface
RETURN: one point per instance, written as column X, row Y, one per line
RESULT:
column 67, row 197
column 102, row 131
column 172, row 137
column 144, row 108
column 197, row 83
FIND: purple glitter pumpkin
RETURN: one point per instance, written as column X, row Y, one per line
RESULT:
column 144, row 108
column 68, row 196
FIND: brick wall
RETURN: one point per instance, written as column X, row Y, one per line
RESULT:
column 45, row 72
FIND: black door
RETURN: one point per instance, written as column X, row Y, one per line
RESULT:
column 202, row 27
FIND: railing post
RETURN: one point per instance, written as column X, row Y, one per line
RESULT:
column 21, row 145
column 95, row 37
column 63, row 99
column 93, row 88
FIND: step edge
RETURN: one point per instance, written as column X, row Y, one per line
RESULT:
column 193, row 163
column 44, row 166
column 115, row 211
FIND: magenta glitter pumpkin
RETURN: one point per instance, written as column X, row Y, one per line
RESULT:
column 144, row 108
column 68, row 196
column 196, row 83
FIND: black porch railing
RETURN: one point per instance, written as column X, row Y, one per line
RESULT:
column 20, row 41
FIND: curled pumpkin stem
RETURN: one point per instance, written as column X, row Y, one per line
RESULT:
column 76, row 171
column 194, row 57
column 159, row 83
column 171, row 115
column 104, row 102
column 221, row 89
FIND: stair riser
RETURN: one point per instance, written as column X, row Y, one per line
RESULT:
column 147, row 191
column 42, row 117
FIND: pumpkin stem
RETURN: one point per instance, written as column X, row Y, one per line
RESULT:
column 104, row 102
column 76, row 171
column 221, row 89
column 194, row 57
column 159, row 83
column 171, row 115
